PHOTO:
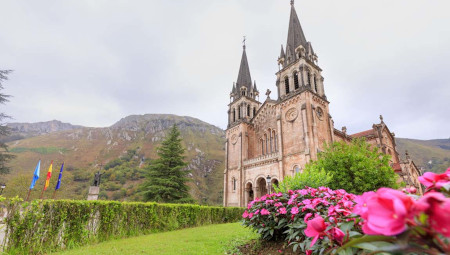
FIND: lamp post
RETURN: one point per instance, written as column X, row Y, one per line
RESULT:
column 2, row 187
column 268, row 178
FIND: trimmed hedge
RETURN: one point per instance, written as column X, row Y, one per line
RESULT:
column 49, row 225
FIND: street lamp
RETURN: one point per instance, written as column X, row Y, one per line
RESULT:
column 2, row 187
column 268, row 178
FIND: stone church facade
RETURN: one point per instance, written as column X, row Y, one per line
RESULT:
column 270, row 140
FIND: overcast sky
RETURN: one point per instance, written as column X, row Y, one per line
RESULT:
column 95, row 62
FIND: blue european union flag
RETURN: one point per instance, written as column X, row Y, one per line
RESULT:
column 58, row 184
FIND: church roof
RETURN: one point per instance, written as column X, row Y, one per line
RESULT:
column 296, row 37
column 363, row 133
column 244, row 78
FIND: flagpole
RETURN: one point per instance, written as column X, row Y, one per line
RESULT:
column 28, row 196
column 42, row 194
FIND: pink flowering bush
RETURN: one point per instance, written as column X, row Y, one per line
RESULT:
column 388, row 221
column 310, row 219
column 410, row 223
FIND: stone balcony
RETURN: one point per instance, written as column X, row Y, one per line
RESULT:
column 261, row 160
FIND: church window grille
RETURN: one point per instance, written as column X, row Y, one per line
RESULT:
column 296, row 80
column 309, row 79
column 286, row 84
column 315, row 84
column 248, row 110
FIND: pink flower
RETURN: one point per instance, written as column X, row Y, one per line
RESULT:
column 257, row 212
column 250, row 215
column 432, row 180
column 337, row 234
column 307, row 216
column 412, row 190
column 282, row 210
column 361, row 204
column 264, row 212
column 279, row 204
column 294, row 210
column 437, row 206
column 315, row 228
column 387, row 212
column 309, row 252
column 245, row 214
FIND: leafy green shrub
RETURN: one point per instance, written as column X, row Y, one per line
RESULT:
column 307, row 178
column 43, row 226
column 357, row 167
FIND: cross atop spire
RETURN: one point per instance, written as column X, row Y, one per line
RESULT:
column 243, row 42
column 292, row 2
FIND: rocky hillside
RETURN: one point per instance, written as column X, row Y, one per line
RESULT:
column 121, row 151
column 25, row 130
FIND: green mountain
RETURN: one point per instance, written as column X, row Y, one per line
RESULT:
column 120, row 152
column 432, row 155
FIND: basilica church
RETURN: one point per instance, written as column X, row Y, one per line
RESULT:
column 276, row 138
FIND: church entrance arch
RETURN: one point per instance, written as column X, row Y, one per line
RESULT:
column 249, row 193
column 261, row 187
column 274, row 184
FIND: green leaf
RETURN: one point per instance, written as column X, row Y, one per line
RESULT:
column 374, row 246
column 365, row 239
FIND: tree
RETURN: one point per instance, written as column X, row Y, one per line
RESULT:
column 308, row 177
column 167, row 176
column 356, row 167
column 4, row 130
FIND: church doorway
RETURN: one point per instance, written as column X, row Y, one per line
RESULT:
column 249, row 194
column 261, row 187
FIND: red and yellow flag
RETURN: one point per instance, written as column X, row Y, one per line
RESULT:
column 49, row 175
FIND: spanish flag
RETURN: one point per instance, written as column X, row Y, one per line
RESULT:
column 49, row 174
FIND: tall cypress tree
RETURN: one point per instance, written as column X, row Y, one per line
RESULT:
column 167, row 176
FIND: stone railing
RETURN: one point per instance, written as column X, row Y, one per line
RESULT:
column 261, row 159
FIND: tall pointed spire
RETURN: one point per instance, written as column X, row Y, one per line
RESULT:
column 244, row 79
column 295, row 33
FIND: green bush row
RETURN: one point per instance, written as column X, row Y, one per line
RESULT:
column 43, row 226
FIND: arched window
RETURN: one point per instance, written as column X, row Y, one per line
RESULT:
column 271, row 141
column 248, row 110
column 309, row 79
column 286, row 84
column 234, row 115
column 315, row 84
column 266, row 143
column 239, row 112
column 275, row 146
column 234, row 184
column 254, row 111
column 296, row 80
column 262, row 146
column 297, row 169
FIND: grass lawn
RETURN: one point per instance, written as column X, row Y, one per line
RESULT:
column 212, row 239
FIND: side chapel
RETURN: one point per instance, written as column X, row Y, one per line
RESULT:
column 267, row 141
